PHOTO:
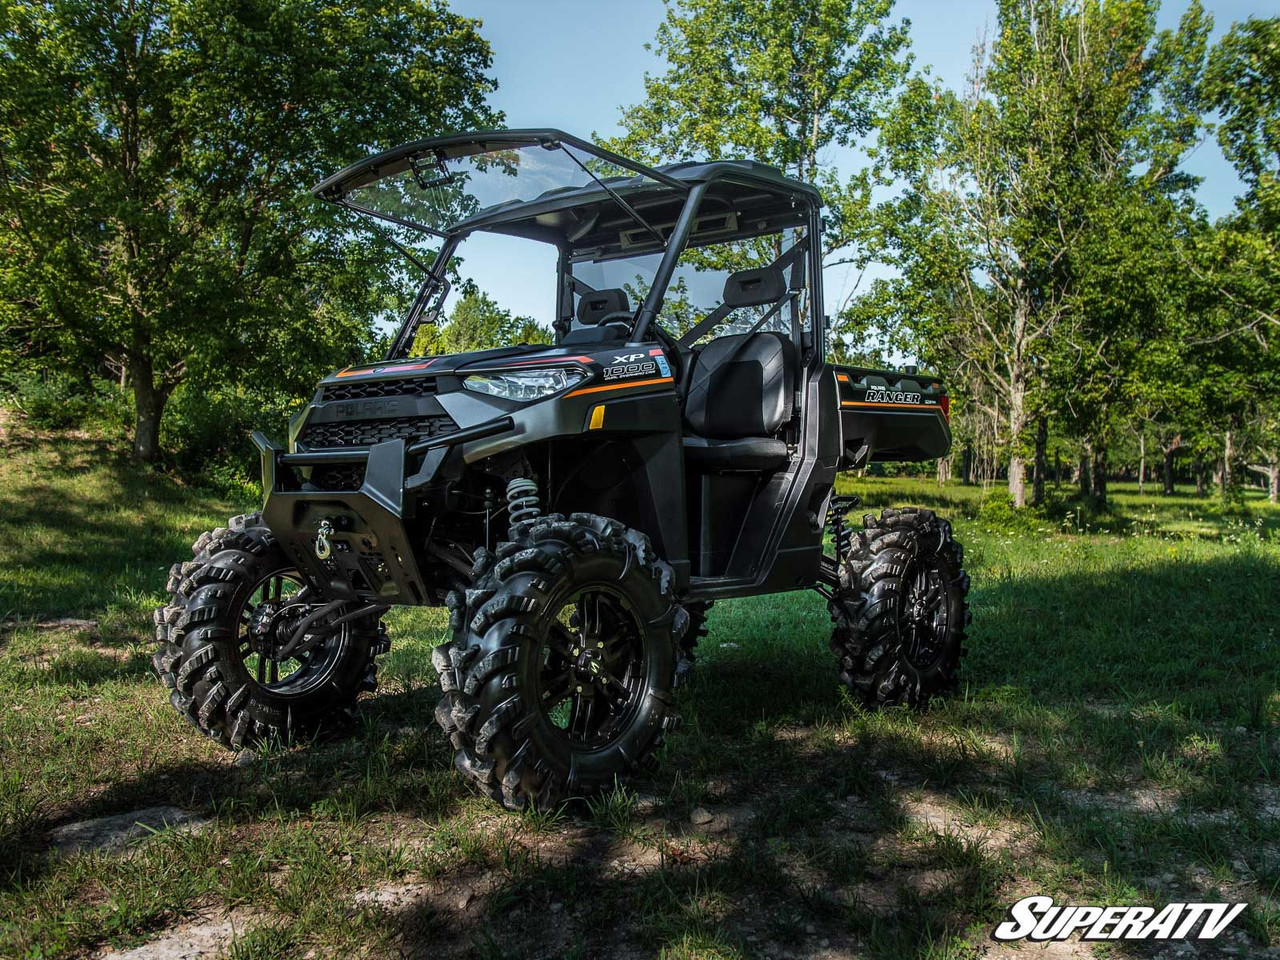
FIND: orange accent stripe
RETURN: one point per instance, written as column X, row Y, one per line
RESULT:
column 619, row 386
column 900, row 406
column 526, row 363
column 842, row 377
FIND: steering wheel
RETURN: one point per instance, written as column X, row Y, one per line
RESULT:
column 614, row 316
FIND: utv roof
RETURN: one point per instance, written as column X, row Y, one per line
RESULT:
column 677, row 175
column 744, row 198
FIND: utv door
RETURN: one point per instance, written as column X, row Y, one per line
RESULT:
column 751, row 401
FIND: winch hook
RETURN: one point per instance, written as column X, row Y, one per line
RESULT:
column 324, row 549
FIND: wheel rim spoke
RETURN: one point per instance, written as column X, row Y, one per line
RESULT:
column 607, row 681
column 562, row 640
column 589, row 618
column 557, row 691
column 580, row 716
column 614, row 646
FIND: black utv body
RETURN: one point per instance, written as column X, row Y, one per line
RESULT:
column 579, row 505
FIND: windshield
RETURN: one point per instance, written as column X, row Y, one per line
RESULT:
column 434, row 191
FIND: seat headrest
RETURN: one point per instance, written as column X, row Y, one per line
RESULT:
column 595, row 306
column 754, row 288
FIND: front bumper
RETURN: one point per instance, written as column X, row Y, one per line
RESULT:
column 372, row 557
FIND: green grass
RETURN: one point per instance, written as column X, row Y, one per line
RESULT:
column 1115, row 739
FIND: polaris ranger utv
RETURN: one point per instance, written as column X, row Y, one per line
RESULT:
column 576, row 506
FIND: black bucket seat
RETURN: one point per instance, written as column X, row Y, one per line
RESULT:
column 593, row 310
column 741, row 391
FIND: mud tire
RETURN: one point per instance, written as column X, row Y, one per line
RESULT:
column 199, row 660
column 491, row 711
column 872, row 614
column 693, row 635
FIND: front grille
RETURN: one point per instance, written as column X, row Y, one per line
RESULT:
column 364, row 433
column 364, row 389
column 346, row 476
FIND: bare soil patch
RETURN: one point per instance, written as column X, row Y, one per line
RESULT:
column 199, row 939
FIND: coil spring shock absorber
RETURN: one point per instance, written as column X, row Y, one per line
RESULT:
column 522, row 502
column 841, row 536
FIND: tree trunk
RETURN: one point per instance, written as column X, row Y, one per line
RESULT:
column 1270, row 470
column 1017, row 431
column 966, row 464
column 1198, row 468
column 1017, row 481
column 1041, row 462
column 1057, row 470
column 1168, row 470
column 1082, row 470
column 149, row 401
column 1227, row 453
column 1100, row 476
column 944, row 470
column 1142, row 464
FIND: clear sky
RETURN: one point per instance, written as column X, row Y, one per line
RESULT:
column 571, row 64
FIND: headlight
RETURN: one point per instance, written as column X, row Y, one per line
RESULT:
column 525, row 385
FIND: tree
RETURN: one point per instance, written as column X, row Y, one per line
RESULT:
column 1160, row 397
column 778, row 81
column 476, row 323
column 1129, row 311
column 1243, row 85
column 1074, row 108
column 153, row 157
column 1238, row 260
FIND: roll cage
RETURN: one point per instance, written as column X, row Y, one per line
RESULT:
column 618, row 208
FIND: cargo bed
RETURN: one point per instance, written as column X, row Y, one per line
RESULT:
column 891, row 415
